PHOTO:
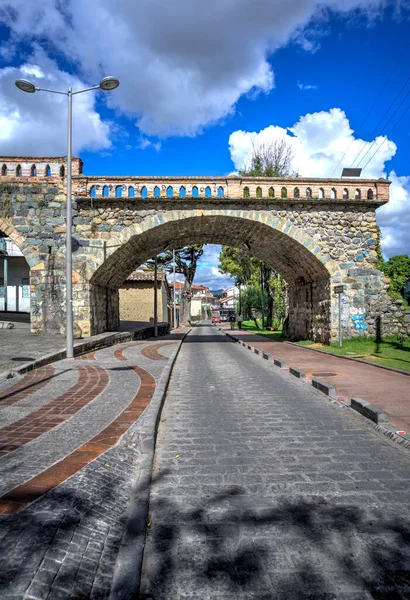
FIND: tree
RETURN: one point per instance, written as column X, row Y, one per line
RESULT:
column 397, row 268
column 273, row 159
column 246, row 268
column 186, row 261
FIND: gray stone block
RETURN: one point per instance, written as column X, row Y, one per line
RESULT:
column 297, row 373
column 326, row 388
column 279, row 363
column 369, row 411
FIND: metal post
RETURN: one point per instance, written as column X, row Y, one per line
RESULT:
column 155, row 298
column 5, row 276
column 340, row 320
column 262, row 301
column 206, row 307
column 175, row 297
column 69, row 266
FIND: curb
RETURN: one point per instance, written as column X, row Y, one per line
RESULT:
column 127, row 570
column 96, row 342
column 369, row 412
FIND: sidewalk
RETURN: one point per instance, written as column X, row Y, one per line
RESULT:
column 18, row 346
column 70, row 452
column 388, row 390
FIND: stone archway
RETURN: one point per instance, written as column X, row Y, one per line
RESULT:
column 285, row 247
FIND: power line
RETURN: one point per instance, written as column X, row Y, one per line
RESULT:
column 385, row 139
column 372, row 107
column 377, row 126
column 381, row 133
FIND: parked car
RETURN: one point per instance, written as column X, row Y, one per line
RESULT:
column 216, row 318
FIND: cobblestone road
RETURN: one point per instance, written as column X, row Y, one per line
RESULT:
column 263, row 489
column 69, row 436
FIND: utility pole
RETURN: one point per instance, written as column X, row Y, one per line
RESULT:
column 175, row 298
column 262, row 301
column 155, row 297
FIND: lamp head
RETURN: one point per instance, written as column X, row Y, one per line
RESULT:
column 109, row 83
column 25, row 86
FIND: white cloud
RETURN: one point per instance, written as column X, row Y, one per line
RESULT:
column 37, row 123
column 207, row 270
column 319, row 141
column 182, row 65
column 306, row 86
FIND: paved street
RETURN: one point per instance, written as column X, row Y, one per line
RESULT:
column 264, row 489
column 69, row 435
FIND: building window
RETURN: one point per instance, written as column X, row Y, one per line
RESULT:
column 259, row 192
column 33, row 171
column 93, row 192
column 221, row 192
column 157, row 192
column 370, row 194
column 131, row 192
column 357, row 194
column 118, row 191
column 271, row 192
column 321, row 193
column 25, row 288
column 345, row 194
column 308, row 192
column 246, row 192
column 144, row 192
column 333, row 194
column 296, row 193
column 47, row 171
column 182, row 192
column 170, row 191
column 284, row 193
column 18, row 171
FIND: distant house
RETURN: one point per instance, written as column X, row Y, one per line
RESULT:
column 137, row 297
column 229, row 298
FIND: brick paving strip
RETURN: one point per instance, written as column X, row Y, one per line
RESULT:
column 119, row 353
column 87, row 356
column 31, row 382
column 92, row 381
column 21, row 496
column 152, row 351
column 387, row 390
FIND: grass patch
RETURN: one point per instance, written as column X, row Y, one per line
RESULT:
column 272, row 335
column 391, row 352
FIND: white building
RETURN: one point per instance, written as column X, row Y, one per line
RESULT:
column 14, row 278
column 229, row 298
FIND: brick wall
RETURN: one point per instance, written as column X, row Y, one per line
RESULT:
column 137, row 301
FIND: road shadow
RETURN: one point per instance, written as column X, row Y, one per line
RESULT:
column 294, row 549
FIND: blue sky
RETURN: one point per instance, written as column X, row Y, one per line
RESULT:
column 198, row 83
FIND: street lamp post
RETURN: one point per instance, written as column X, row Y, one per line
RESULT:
column 106, row 84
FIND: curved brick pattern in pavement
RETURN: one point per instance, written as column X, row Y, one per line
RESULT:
column 31, row 382
column 87, row 356
column 152, row 352
column 92, row 381
column 20, row 497
column 119, row 353
column 263, row 489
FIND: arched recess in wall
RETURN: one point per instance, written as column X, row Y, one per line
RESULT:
column 105, row 191
column 62, row 171
column 93, row 191
column 208, row 192
column 333, row 194
column 33, row 171
column 296, row 193
column 259, row 192
column 271, row 192
column 118, row 191
column 293, row 255
column 47, row 171
column 221, row 193
column 345, row 194
column 321, row 193
column 182, row 192
column 18, row 296
column 18, row 171
column 131, row 192
column 283, row 193
column 370, row 194
column 157, row 192
column 144, row 192
column 357, row 194
column 4, row 170
column 170, row 191
column 246, row 193
column 308, row 192
column 195, row 192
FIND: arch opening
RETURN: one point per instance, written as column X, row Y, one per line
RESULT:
column 14, row 281
column 307, row 277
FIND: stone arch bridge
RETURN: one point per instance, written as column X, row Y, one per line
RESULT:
column 317, row 233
